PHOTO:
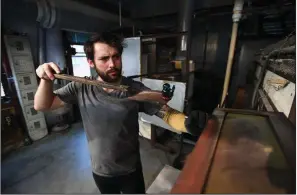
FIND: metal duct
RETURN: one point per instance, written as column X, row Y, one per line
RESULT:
column 46, row 13
column 184, row 22
column 46, row 18
column 80, row 7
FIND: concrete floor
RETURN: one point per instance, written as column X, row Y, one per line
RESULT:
column 60, row 163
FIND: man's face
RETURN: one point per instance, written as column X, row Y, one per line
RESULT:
column 107, row 62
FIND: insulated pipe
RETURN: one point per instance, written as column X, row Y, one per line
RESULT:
column 47, row 14
column 230, row 62
column 184, row 22
column 236, row 17
column 185, row 16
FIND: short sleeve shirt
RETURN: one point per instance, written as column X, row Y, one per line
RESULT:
column 110, row 121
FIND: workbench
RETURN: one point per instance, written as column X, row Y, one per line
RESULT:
column 242, row 151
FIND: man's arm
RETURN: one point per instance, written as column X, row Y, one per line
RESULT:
column 193, row 124
column 173, row 118
column 45, row 99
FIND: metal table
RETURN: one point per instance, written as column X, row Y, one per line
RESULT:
column 242, row 151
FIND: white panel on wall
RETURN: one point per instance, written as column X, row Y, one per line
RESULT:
column 177, row 101
column 36, row 124
column 22, row 66
column 31, row 113
column 28, row 96
column 17, row 45
column 81, row 67
column 38, row 134
column 26, row 81
column 131, row 57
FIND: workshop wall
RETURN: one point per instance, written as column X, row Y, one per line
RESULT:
column 20, row 16
column 54, row 47
column 248, row 48
column 23, row 20
column 244, row 63
column 215, row 33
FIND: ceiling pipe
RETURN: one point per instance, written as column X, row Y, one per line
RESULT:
column 120, row 12
column 184, row 22
column 46, row 18
column 82, row 8
column 185, row 16
column 237, row 13
column 47, row 14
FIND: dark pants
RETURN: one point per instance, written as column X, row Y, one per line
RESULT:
column 132, row 183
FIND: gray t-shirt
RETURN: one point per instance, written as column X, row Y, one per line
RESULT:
column 111, row 124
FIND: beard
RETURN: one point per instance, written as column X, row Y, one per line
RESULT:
column 107, row 78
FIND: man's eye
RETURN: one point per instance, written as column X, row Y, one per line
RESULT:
column 116, row 56
column 105, row 58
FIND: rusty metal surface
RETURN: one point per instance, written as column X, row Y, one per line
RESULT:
column 285, row 133
column 194, row 173
column 253, row 152
column 248, row 159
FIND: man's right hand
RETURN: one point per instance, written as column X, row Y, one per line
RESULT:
column 46, row 71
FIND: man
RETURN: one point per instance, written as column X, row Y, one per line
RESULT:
column 110, row 120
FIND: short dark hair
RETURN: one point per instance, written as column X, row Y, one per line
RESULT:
column 108, row 38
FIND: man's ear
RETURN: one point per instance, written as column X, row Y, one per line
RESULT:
column 91, row 63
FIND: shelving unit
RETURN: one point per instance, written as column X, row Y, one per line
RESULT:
column 275, row 77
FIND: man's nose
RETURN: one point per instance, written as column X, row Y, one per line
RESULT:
column 111, row 63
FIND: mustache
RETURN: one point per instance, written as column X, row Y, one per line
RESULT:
column 113, row 70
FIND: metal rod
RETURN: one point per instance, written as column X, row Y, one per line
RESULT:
column 91, row 82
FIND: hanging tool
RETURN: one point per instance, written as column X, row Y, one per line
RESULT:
column 148, row 95
column 87, row 81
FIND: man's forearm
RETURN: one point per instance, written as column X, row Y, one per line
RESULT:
column 173, row 118
column 44, row 95
column 193, row 124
